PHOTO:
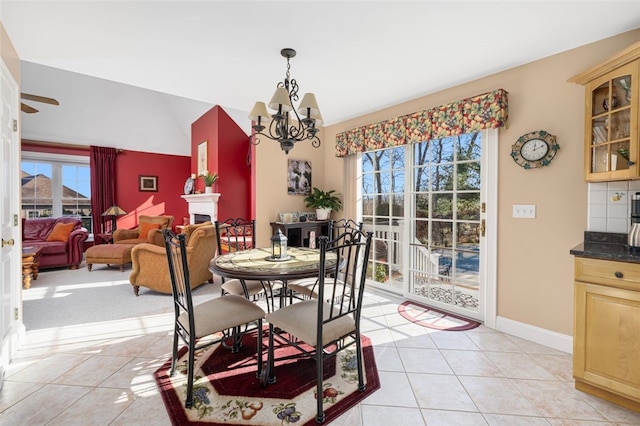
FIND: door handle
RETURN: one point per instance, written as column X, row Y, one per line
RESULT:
column 9, row 242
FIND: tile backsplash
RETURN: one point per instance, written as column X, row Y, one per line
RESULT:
column 610, row 205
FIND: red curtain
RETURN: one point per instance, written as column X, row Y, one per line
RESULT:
column 103, row 188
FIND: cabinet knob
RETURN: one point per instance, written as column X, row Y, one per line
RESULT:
column 618, row 274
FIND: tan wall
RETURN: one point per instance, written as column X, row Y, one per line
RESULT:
column 535, row 270
column 271, row 180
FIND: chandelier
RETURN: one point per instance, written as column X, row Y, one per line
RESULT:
column 283, row 128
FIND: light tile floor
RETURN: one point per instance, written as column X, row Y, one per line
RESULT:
column 102, row 374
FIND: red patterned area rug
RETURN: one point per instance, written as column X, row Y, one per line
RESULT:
column 434, row 318
column 227, row 392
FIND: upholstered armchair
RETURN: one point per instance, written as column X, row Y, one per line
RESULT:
column 149, row 261
column 149, row 230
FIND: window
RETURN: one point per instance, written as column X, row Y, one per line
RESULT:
column 56, row 185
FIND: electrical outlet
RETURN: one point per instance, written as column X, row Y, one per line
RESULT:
column 524, row 211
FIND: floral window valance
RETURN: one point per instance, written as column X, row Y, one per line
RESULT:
column 486, row 111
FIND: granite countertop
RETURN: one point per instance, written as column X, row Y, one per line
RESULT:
column 606, row 246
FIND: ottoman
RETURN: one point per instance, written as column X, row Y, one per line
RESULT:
column 109, row 254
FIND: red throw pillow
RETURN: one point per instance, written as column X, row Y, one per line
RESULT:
column 61, row 232
column 145, row 227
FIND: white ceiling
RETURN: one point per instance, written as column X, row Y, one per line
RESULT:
column 356, row 56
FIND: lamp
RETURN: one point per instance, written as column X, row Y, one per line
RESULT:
column 279, row 246
column 282, row 102
column 114, row 211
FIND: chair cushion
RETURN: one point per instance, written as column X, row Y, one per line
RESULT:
column 300, row 319
column 221, row 314
column 61, row 231
column 234, row 286
column 53, row 247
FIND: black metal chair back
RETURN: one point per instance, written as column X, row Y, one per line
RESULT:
column 338, row 227
column 235, row 234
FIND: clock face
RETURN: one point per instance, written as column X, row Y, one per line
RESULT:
column 535, row 149
column 188, row 186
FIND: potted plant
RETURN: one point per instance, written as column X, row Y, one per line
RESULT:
column 209, row 180
column 324, row 202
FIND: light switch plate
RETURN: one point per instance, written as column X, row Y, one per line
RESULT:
column 524, row 211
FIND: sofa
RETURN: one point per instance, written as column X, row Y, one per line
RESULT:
column 61, row 239
column 150, row 267
column 149, row 230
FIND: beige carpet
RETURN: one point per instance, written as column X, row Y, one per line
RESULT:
column 64, row 297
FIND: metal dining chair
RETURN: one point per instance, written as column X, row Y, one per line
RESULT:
column 224, row 318
column 330, row 323
column 236, row 234
column 306, row 288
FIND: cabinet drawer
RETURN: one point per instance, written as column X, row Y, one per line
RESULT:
column 610, row 273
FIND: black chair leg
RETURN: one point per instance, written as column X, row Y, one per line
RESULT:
column 319, row 373
column 271, row 374
column 174, row 351
column 361, row 386
column 189, row 400
column 259, row 348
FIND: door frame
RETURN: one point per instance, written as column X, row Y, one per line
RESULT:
column 10, row 226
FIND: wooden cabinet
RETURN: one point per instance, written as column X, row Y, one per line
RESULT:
column 606, row 341
column 299, row 233
column 612, row 144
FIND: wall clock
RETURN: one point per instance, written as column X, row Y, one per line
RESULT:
column 535, row 149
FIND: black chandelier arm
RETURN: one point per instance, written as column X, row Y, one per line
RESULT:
column 254, row 139
column 315, row 142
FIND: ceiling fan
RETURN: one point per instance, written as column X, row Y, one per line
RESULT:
column 29, row 109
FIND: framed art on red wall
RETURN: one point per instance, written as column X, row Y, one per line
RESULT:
column 147, row 183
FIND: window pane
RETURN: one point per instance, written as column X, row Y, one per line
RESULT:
column 422, row 205
column 468, row 235
column 442, row 234
column 468, row 176
column 468, row 206
column 469, row 147
column 422, row 179
column 442, row 206
column 442, row 178
column 442, row 150
column 397, row 209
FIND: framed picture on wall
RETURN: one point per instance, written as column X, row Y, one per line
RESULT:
column 202, row 157
column 147, row 183
column 299, row 177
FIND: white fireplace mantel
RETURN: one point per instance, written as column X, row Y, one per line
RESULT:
column 206, row 204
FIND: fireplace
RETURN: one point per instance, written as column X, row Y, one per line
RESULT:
column 201, row 205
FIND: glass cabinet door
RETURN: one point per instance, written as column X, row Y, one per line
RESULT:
column 611, row 149
column 610, row 124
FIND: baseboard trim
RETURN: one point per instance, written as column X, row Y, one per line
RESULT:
column 542, row 336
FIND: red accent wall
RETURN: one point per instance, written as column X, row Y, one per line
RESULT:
column 171, row 170
column 227, row 153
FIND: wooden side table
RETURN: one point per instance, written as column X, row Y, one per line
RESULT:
column 30, row 264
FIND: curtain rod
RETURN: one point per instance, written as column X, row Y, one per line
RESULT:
column 60, row 145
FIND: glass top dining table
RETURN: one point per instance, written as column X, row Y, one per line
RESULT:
column 255, row 264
